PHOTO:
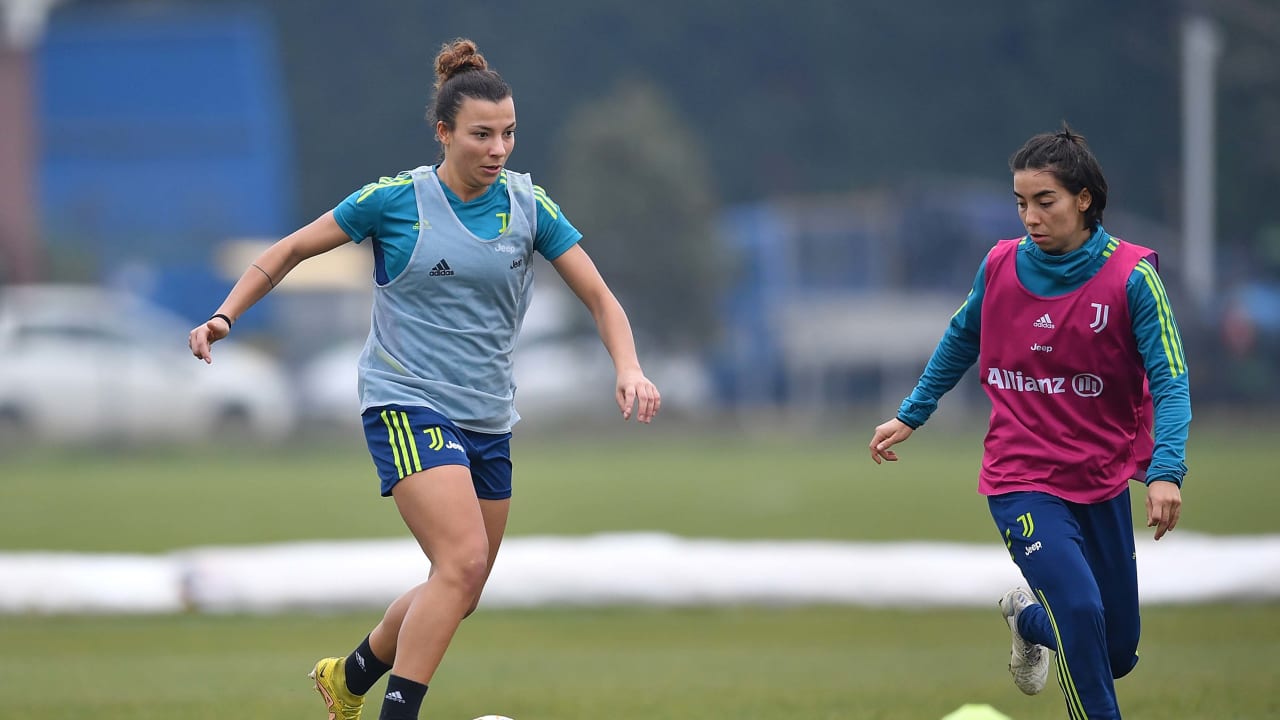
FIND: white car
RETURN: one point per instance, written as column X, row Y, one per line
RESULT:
column 82, row 364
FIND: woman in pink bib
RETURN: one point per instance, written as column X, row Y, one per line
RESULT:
column 1081, row 357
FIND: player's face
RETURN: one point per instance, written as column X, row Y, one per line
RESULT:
column 476, row 149
column 1053, row 216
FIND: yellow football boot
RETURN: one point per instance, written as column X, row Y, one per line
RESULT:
column 331, row 682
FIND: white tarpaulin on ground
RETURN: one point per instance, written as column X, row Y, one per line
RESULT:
column 609, row 569
column 69, row 583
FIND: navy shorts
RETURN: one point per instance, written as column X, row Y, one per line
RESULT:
column 404, row 440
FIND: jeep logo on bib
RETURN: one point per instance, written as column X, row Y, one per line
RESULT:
column 1087, row 385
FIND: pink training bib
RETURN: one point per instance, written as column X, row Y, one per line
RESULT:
column 1070, row 411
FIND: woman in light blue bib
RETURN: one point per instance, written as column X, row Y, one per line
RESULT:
column 452, row 246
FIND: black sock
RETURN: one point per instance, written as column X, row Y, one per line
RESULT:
column 363, row 669
column 403, row 699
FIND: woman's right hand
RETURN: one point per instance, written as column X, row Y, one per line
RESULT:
column 203, row 336
column 887, row 435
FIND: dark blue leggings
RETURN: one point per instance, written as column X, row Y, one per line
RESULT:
column 1081, row 564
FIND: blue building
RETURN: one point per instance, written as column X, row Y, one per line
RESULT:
column 163, row 132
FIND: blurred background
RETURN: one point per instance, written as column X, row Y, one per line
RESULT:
column 790, row 199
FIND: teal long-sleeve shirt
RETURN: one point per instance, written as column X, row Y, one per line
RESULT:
column 1154, row 329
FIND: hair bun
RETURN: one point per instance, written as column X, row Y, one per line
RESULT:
column 456, row 57
column 1069, row 135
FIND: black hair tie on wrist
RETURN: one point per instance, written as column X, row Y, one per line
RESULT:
column 220, row 315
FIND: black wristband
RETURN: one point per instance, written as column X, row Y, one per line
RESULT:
column 220, row 315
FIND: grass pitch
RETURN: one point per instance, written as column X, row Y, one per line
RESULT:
column 729, row 485
column 621, row 663
column 627, row 664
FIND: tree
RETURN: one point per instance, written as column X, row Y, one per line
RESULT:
column 635, row 180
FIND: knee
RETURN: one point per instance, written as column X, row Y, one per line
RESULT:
column 1081, row 609
column 1123, row 656
column 465, row 569
column 1123, row 665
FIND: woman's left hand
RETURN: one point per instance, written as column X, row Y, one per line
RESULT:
column 1164, row 506
column 635, row 391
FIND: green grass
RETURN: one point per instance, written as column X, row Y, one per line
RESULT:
column 623, row 663
column 626, row 664
column 757, row 485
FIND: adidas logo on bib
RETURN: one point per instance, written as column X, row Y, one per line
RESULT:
column 1042, row 322
column 442, row 268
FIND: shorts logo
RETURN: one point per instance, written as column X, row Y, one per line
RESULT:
column 454, row 446
column 1032, row 548
column 435, row 437
column 1028, row 525
column 1087, row 385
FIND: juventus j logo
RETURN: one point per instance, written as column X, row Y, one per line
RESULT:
column 1100, row 315
column 1028, row 525
column 434, row 438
